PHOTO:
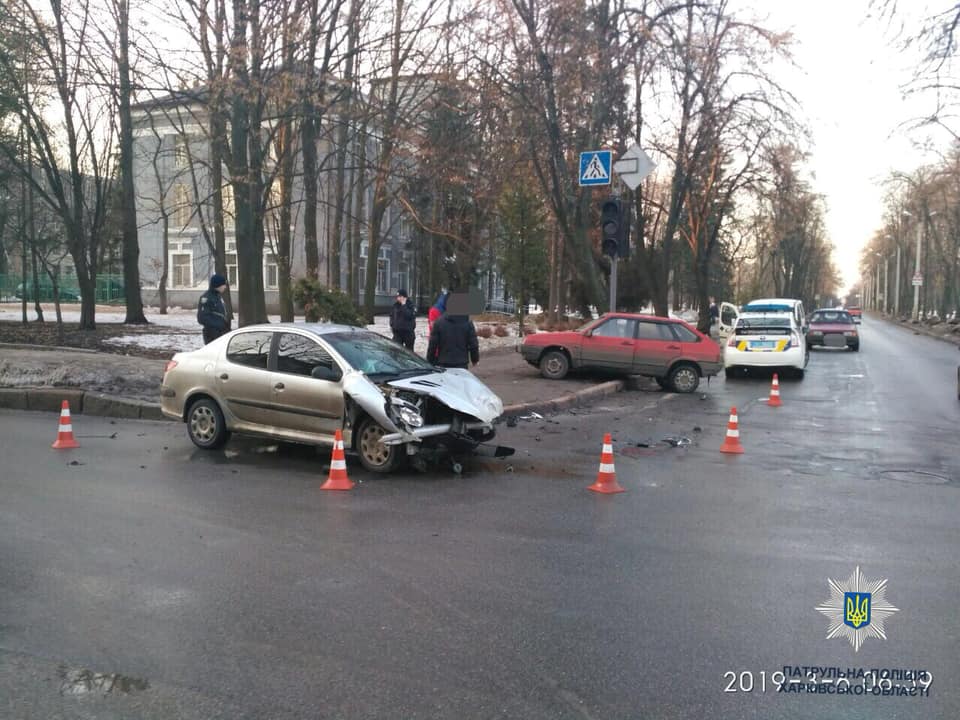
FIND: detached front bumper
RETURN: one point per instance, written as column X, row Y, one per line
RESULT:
column 457, row 430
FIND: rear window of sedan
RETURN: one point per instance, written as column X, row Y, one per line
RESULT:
column 782, row 324
column 832, row 316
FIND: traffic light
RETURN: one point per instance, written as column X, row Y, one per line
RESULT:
column 610, row 226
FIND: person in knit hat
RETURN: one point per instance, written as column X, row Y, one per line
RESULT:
column 211, row 312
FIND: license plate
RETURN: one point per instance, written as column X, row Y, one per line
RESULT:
column 763, row 344
column 835, row 341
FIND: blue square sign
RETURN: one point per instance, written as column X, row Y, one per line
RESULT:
column 595, row 167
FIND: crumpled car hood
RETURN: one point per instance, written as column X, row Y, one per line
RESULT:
column 459, row 390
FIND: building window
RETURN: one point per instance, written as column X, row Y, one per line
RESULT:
column 183, row 206
column 181, row 153
column 403, row 276
column 182, row 266
column 229, row 206
column 231, row 259
column 271, row 272
column 383, row 275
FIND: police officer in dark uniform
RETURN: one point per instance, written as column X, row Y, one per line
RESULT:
column 403, row 320
column 211, row 312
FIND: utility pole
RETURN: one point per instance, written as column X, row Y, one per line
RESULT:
column 896, row 300
column 886, row 284
column 916, row 273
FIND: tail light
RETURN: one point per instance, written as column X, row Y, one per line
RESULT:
column 171, row 364
column 794, row 341
column 732, row 342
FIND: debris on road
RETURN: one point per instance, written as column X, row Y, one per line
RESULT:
column 677, row 441
column 81, row 681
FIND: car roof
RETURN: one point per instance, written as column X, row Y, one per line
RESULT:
column 773, row 301
column 319, row 329
column 640, row 316
column 766, row 315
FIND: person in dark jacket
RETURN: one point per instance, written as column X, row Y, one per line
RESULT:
column 403, row 320
column 453, row 341
column 211, row 312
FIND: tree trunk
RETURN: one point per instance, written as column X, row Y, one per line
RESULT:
column 308, row 132
column 36, row 284
column 286, row 219
column 128, row 209
column 165, row 244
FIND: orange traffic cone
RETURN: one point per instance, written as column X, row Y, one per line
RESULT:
column 337, row 479
column 731, row 443
column 65, row 439
column 774, row 399
column 607, row 477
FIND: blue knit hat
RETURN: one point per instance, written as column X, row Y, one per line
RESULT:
column 216, row 280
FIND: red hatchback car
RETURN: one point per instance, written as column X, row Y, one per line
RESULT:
column 833, row 328
column 669, row 350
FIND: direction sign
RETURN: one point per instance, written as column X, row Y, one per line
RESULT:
column 633, row 166
column 595, row 167
column 918, row 279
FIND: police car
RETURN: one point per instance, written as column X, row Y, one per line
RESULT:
column 773, row 340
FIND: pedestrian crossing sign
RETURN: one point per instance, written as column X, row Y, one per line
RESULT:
column 595, row 167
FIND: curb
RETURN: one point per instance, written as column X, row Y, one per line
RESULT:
column 569, row 400
column 55, row 348
column 952, row 339
column 82, row 402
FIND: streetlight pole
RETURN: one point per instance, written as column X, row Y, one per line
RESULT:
column 886, row 284
column 896, row 300
column 876, row 288
column 916, row 273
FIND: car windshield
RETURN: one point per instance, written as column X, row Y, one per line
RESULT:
column 374, row 354
column 838, row 317
column 774, row 324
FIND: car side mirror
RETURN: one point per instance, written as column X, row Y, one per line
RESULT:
column 588, row 333
column 324, row 372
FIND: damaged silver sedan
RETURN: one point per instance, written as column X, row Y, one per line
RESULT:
column 302, row 383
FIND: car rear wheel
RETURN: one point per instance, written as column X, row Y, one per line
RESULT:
column 374, row 455
column 798, row 373
column 554, row 365
column 684, row 379
column 206, row 426
column 855, row 347
column 730, row 373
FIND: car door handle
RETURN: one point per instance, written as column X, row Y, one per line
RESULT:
column 224, row 376
column 626, row 342
column 673, row 347
column 278, row 386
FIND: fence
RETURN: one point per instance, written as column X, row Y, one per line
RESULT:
column 109, row 289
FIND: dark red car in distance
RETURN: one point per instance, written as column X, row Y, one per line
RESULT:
column 833, row 328
column 856, row 313
column 676, row 354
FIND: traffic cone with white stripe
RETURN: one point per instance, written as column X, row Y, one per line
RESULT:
column 65, row 439
column 607, row 477
column 731, row 443
column 337, row 479
column 774, row 399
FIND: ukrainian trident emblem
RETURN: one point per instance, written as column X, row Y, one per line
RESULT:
column 857, row 609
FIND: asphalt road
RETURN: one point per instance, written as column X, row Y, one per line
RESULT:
column 236, row 589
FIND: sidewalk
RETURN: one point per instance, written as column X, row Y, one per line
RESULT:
column 39, row 378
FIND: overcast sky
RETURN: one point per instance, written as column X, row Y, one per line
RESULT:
column 850, row 88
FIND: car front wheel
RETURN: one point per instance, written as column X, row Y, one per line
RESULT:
column 684, row 379
column 206, row 426
column 554, row 365
column 374, row 455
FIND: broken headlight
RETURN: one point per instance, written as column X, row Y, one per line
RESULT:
column 406, row 412
column 410, row 416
